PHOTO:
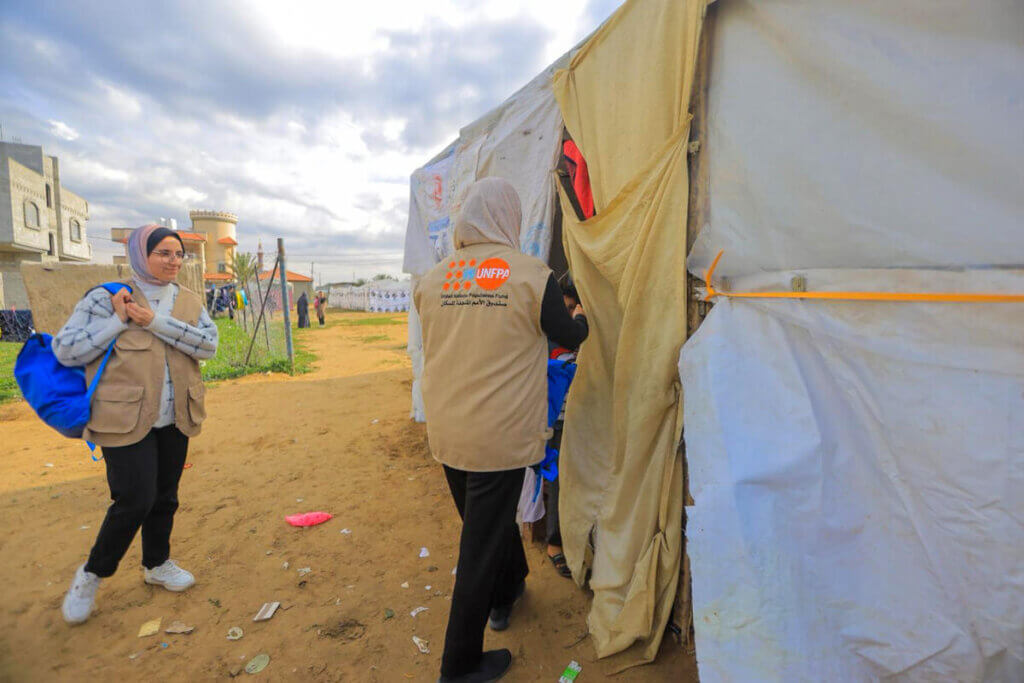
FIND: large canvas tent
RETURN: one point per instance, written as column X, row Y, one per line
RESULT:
column 855, row 460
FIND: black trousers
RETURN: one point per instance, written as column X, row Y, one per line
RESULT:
column 551, row 509
column 554, row 529
column 491, row 564
column 143, row 480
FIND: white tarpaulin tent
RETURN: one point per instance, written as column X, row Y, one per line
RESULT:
column 348, row 297
column 858, row 467
column 384, row 296
column 520, row 141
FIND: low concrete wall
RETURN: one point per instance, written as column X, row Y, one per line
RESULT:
column 55, row 288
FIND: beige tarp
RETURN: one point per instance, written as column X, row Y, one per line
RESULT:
column 624, row 99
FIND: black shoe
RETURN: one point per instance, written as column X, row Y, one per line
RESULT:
column 493, row 665
column 499, row 618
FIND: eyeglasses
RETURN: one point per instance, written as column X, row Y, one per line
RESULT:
column 171, row 256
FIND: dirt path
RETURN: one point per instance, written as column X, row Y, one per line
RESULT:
column 338, row 440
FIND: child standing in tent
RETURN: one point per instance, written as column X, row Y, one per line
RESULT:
column 554, row 532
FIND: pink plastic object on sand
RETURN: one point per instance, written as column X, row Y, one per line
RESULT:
column 308, row 518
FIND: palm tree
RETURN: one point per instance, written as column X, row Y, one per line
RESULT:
column 243, row 268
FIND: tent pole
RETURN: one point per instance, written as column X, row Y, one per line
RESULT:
column 285, row 305
column 694, row 310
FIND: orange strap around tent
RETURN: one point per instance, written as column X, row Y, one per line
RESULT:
column 944, row 297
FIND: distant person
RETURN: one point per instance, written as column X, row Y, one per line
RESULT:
column 302, row 308
column 148, row 404
column 321, row 307
column 224, row 303
column 486, row 313
column 229, row 298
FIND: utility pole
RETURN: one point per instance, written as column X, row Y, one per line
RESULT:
column 285, row 305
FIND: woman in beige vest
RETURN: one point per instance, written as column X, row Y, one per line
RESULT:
column 148, row 403
column 487, row 312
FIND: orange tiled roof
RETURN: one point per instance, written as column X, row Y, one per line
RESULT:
column 292, row 276
column 218, row 277
column 228, row 240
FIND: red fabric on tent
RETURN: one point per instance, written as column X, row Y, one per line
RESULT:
column 580, row 177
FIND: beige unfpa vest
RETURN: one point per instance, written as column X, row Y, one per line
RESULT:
column 485, row 359
column 127, row 400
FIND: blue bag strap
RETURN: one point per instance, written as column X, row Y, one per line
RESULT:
column 113, row 288
column 99, row 373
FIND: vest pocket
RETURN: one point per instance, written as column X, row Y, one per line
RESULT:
column 196, row 403
column 116, row 409
column 134, row 340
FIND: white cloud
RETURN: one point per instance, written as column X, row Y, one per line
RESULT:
column 304, row 119
column 121, row 102
column 63, row 130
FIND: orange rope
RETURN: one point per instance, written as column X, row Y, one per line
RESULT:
column 945, row 297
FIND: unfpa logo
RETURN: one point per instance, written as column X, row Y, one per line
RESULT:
column 491, row 274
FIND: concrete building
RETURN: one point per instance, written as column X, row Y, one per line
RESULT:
column 40, row 220
column 211, row 242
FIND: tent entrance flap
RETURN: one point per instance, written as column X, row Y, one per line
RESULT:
column 621, row 467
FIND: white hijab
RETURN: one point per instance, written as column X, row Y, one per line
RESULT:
column 491, row 214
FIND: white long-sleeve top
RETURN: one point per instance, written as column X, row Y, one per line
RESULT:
column 93, row 325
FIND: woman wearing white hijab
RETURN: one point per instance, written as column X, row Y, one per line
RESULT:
column 486, row 312
column 148, row 403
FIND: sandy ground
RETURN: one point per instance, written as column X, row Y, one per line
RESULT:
column 338, row 440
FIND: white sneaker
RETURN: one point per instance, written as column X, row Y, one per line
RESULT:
column 170, row 576
column 80, row 597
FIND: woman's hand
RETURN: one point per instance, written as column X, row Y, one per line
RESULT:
column 139, row 315
column 577, row 311
column 120, row 302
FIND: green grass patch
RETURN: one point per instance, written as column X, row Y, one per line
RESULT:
column 233, row 345
column 8, row 387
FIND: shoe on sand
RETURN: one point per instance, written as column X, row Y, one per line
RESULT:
column 81, row 596
column 170, row 576
column 493, row 665
column 499, row 617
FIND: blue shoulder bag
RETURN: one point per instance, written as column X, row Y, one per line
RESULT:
column 58, row 393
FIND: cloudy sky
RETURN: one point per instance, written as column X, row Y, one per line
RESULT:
column 305, row 118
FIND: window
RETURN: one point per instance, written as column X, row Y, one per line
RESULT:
column 222, row 267
column 31, row 214
column 49, row 197
column 76, row 230
column 52, row 251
